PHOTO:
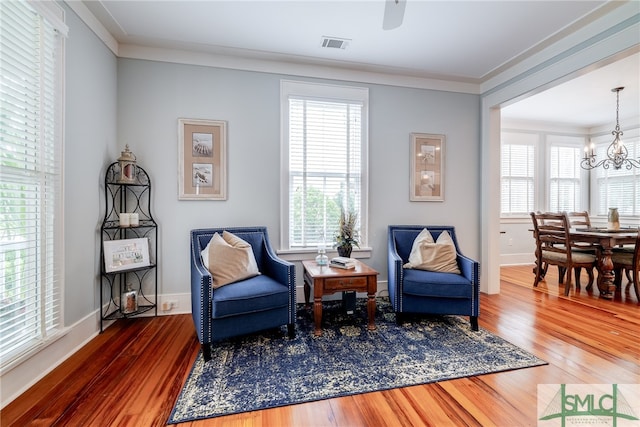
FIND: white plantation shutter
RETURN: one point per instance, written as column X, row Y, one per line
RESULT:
column 565, row 176
column 30, row 178
column 618, row 188
column 325, row 155
column 517, row 178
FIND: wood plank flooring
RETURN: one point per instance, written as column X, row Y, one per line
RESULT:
column 132, row 374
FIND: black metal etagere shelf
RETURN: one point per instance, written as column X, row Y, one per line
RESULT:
column 128, row 198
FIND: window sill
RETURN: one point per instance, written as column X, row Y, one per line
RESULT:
column 302, row 254
column 20, row 356
column 515, row 219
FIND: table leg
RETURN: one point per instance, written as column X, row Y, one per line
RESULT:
column 606, row 276
column 371, row 311
column 307, row 293
column 317, row 315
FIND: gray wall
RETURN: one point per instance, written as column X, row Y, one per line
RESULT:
column 153, row 95
column 90, row 141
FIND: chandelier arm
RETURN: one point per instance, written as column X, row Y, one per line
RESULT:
column 617, row 153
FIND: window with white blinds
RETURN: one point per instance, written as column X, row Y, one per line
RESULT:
column 618, row 188
column 324, row 149
column 564, row 175
column 517, row 175
column 30, row 176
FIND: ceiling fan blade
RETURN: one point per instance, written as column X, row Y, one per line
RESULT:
column 393, row 14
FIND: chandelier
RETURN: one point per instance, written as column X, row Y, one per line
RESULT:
column 616, row 152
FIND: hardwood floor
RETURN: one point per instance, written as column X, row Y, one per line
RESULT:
column 132, row 374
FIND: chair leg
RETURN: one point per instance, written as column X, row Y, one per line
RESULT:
column 474, row 323
column 561, row 272
column 206, row 352
column 567, row 285
column 591, row 278
column 539, row 271
column 635, row 284
column 617, row 278
column 577, row 271
column 291, row 330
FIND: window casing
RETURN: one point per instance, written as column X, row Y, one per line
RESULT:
column 324, row 161
column 31, row 248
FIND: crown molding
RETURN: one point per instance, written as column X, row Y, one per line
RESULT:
column 94, row 25
column 180, row 56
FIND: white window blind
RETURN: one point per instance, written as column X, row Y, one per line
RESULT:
column 618, row 188
column 565, row 176
column 517, row 177
column 326, row 166
column 30, row 179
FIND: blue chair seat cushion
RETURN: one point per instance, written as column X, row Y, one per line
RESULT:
column 435, row 284
column 252, row 295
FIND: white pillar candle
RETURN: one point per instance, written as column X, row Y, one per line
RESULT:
column 134, row 219
column 125, row 220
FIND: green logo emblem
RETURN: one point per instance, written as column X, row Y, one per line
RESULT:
column 590, row 404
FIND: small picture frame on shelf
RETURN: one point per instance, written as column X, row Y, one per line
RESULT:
column 129, row 302
column 427, row 168
column 202, row 162
column 126, row 254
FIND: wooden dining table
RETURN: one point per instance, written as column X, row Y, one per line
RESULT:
column 606, row 240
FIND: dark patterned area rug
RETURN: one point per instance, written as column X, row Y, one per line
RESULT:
column 268, row 369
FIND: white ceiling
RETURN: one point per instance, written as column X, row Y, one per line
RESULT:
column 463, row 41
column 586, row 101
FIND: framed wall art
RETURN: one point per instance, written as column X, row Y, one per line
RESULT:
column 427, row 168
column 202, row 164
column 126, row 254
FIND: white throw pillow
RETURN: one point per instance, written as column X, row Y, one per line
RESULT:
column 229, row 259
column 439, row 256
column 415, row 258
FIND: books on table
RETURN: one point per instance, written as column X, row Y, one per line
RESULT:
column 343, row 262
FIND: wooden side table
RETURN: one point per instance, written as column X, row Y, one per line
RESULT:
column 327, row 280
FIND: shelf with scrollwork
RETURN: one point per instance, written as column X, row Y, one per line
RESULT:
column 128, row 250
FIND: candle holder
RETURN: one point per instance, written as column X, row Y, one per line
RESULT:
column 127, row 162
column 322, row 258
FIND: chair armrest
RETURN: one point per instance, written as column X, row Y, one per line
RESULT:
column 283, row 272
column 394, row 274
column 201, row 294
column 470, row 269
column 279, row 269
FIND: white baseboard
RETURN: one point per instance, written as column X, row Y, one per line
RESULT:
column 20, row 377
column 16, row 380
column 517, row 259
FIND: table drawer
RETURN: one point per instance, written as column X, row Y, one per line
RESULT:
column 346, row 283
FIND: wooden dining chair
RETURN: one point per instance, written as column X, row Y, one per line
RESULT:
column 581, row 220
column 629, row 261
column 554, row 247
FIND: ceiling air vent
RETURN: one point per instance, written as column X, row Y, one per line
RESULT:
column 334, row 42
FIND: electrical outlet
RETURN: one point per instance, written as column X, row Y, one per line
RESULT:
column 169, row 305
column 510, row 241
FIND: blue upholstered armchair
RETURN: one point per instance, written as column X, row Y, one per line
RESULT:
column 421, row 291
column 262, row 302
